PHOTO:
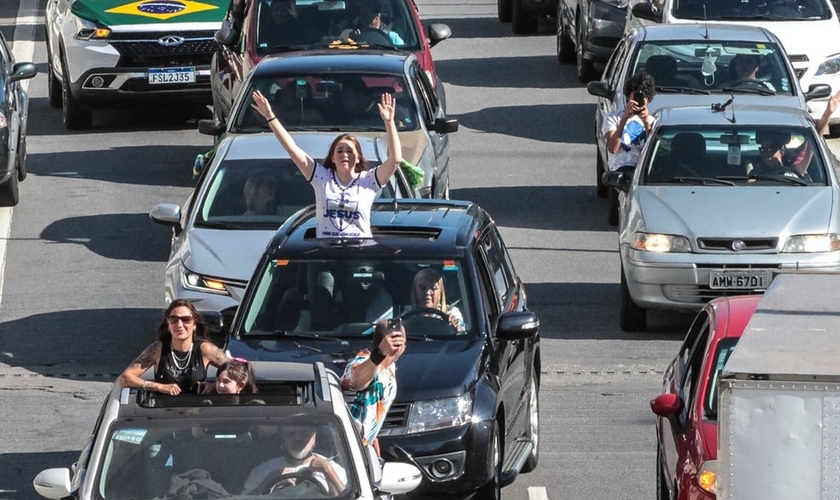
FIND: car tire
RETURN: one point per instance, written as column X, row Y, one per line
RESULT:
column 600, row 187
column 75, row 118
column 585, row 69
column 53, row 86
column 523, row 22
column 10, row 192
column 612, row 206
column 565, row 47
column 493, row 489
column 504, row 10
column 661, row 487
column 533, row 424
column 632, row 318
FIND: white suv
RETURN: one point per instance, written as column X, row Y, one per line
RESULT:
column 106, row 53
column 808, row 29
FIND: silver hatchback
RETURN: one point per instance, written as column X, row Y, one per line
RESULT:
column 721, row 201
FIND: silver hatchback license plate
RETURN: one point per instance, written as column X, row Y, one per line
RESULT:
column 171, row 75
column 758, row 279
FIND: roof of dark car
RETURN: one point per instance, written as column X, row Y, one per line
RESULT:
column 334, row 61
column 417, row 228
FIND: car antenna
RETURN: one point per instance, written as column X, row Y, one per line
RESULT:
column 705, row 22
column 394, row 205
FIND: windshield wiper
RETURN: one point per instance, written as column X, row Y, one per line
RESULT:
column 282, row 333
column 701, row 180
column 780, row 178
column 748, row 90
column 219, row 225
column 681, row 90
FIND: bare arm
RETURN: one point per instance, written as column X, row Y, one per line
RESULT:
column 147, row 359
column 302, row 160
column 391, row 347
column 825, row 119
column 213, row 354
column 387, row 109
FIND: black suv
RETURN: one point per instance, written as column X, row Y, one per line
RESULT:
column 467, row 406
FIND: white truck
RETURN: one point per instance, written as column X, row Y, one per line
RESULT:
column 779, row 396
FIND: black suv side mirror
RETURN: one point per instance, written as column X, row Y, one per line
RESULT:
column 517, row 325
column 210, row 127
column 217, row 325
column 644, row 10
column 600, row 89
column 818, row 91
column 618, row 180
column 445, row 125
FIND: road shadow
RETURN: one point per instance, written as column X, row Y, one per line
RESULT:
column 596, row 305
column 19, row 469
column 522, row 72
column 114, row 236
column 560, row 208
column 487, row 27
column 85, row 343
column 147, row 165
column 537, row 122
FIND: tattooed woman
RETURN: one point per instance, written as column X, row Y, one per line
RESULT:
column 180, row 355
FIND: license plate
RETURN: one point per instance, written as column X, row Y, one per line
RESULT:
column 171, row 75
column 734, row 280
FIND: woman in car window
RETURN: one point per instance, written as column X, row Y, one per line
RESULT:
column 344, row 187
column 427, row 291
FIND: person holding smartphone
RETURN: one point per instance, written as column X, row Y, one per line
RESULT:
column 372, row 374
column 626, row 131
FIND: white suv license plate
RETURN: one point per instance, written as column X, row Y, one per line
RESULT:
column 159, row 76
column 735, row 280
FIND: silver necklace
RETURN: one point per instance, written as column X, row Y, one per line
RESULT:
column 178, row 361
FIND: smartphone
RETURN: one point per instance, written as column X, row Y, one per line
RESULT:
column 395, row 324
column 639, row 98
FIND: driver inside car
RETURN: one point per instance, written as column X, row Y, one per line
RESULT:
column 297, row 467
column 428, row 292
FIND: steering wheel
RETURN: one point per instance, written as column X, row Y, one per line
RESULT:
column 749, row 83
column 426, row 311
column 373, row 36
column 432, row 319
column 278, row 481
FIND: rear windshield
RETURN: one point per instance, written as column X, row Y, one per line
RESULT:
column 752, row 10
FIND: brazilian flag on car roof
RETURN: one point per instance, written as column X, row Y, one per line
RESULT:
column 121, row 12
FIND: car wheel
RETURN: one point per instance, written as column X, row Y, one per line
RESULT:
column 585, row 69
column 533, row 424
column 523, row 22
column 75, row 118
column 9, row 192
column 53, row 86
column 565, row 47
column 600, row 187
column 612, row 206
column 661, row 487
column 493, row 489
column 632, row 317
column 504, row 10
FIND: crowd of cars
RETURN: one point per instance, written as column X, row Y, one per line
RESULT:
column 244, row 251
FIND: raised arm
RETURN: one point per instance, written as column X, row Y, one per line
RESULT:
column 825, row 119
column 303, row 161
column 387, row 110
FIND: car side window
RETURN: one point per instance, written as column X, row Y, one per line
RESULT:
column 500, row 263
column 488, row 294
column 693, row 367
column 618, row 64
column 612, row 68
column 428, row 98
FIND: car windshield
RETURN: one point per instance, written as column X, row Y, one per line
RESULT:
column 735, row 156
column 726, row 10
column 714, row 67
column 298, row 24
column 345, row 298
column 722, row 353
column 335, row 101
column 218, row 457
column 257, row 194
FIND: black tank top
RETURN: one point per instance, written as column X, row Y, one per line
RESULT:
column 186, row 371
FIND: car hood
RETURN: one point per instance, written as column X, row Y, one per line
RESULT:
column 129, row 12
column 456, row 362
column 664, row 100
column 735, row 211
column 225, row 253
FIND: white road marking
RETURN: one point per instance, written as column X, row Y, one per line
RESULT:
column 537, row 493
column 23, row 48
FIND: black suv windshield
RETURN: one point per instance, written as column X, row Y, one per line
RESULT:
column 345, row 298
column 753, row 10
column 227, row 457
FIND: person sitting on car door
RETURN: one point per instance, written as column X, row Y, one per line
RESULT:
column 626, row 131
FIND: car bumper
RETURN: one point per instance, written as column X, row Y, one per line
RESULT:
column 105, row 87
column 604, row 28
column 682, row 281
column 452, row 459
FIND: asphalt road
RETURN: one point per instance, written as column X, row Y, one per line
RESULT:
column 82, row 288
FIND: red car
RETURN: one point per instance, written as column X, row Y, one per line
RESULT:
column 686, row 424
column 269, row 27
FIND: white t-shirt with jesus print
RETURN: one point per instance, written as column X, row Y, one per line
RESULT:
column 343, row 211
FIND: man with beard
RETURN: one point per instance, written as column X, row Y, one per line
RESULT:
column 298, row 466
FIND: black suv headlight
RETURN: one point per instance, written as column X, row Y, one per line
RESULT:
column 437, row 414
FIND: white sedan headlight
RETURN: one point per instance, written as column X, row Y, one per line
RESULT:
column 812, row 243
column 830, row 66
column 439, row 414
column 660, row 243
